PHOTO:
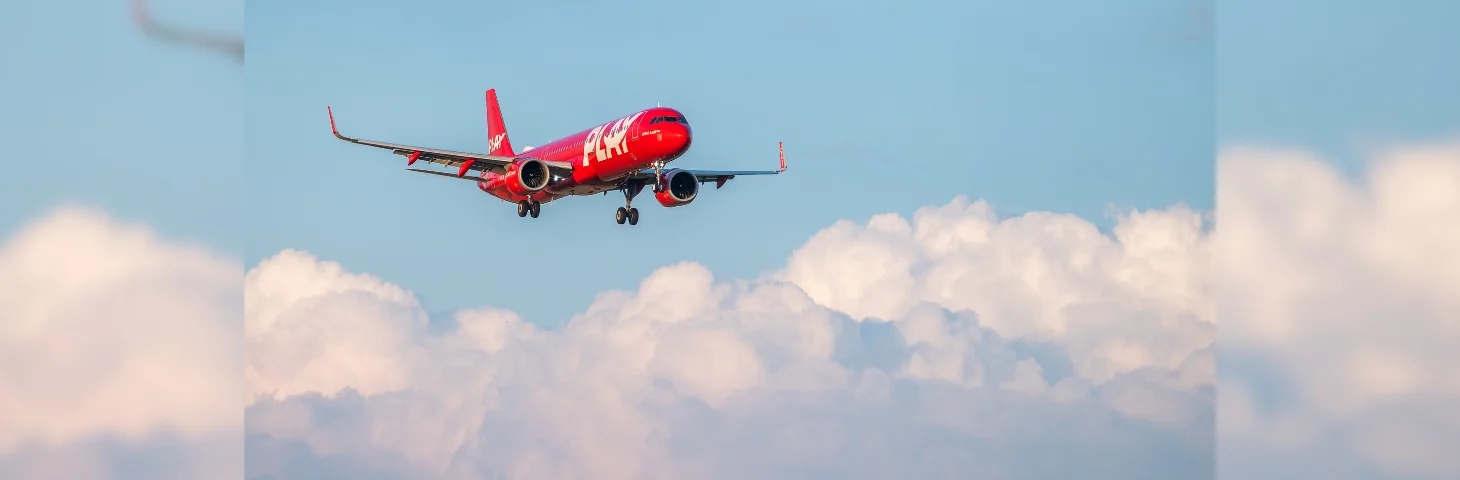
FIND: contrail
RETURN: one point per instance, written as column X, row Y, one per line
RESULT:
column 227, row 44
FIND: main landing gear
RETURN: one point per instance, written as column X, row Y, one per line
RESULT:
column 525, row 207
column 628, row 212
column 631, row 214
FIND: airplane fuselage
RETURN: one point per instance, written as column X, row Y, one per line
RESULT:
column 603, row 155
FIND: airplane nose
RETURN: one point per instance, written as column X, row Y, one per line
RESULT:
column 688, row 138
column 678, row 138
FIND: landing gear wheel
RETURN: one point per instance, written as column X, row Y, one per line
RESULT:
column 536, row 207
column 620, row 215
column 522, row 208
column 633, row 216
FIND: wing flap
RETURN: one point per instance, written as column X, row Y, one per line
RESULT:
column 446, row 174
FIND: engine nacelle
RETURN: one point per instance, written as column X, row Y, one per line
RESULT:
column 680, row 188
column 526, row 177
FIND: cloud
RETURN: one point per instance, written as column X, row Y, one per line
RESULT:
column 1339, row 313
column 1139, row 298
column 119, row 351
column 952, row 344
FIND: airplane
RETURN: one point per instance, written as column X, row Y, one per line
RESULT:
column 624, row 154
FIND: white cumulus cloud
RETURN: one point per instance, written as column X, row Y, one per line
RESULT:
column 952, row 345
column 119, row 351
column 1340, row 308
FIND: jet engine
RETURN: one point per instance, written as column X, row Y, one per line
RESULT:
column 680, row 188
column 526, row 177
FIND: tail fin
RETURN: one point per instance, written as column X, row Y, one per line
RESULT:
column 497, row 139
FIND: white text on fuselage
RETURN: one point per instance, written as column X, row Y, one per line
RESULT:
column 608, row 140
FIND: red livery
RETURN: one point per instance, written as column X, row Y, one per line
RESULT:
column 625, row 154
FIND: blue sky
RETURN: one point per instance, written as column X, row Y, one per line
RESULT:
column 97, row 113
column 1066, row 106
column 1337, row 76
column 1073, row 108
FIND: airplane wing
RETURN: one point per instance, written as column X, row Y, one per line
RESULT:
column 462, row 161
column 718, row 176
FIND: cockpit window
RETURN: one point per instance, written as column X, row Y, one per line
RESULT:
column 656, row 120
column 671, row 119
column 684, row 120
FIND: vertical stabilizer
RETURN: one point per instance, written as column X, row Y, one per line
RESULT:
column 497, row 141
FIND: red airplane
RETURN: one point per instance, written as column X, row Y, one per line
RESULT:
column 625, row 154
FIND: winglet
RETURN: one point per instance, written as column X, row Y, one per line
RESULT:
column 334, row 130
column 782, row 146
